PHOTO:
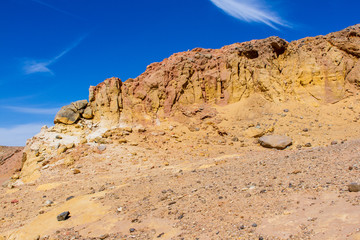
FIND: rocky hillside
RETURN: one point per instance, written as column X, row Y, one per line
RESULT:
column 256, row 140
column 10, row 162
column 194, row 86
column 323, row 69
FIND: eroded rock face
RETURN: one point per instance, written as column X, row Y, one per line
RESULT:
column 323, row 69
column 106, row 101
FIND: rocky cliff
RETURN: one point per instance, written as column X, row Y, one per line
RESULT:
column 323, row 69
column 193, row 86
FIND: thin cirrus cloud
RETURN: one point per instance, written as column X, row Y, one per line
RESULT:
column 250, row 11
column 34, row 66
column 17, row 135
column 29, row 110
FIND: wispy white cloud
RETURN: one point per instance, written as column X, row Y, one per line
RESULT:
column 35, row 66
column 17, row 135
column 250, row 11
column 32, row 66
column 41, row 111
column 56, row 8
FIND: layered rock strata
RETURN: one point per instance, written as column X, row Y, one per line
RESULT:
column 323, row 69
column 314, row 70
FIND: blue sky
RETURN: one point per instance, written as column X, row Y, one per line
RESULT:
column 53, row 50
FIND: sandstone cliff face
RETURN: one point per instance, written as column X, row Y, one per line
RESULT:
column 323, row 69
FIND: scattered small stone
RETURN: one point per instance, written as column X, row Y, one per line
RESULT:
column 69, row 198
column 307, row 145
column 354, row 187
column 102, row 147
column 15, row 176
column 132, row 230
column 123, row 140
column 61, row 149
column 261, row 238
column 104, row 236
column 14, row 201
column 160, row 235
column 254, row 132
column 48, row 203
column 235, row 139
column 286, row 110
column 102, row 188
column 305, row 130
column 41, row 212
column 242, row 227
column 63, row 216
column 45, row 167
column 76, row 171
column 141, row 129
column 247, row 195
column 70, row 146
column 119, row 209
column 334, row 142
column 254, row 225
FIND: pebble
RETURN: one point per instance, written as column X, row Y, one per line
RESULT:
column 63, row 216
column 254, row 225
column 160, row 235
column 48, row 203
column 248, row 195
column 69, row 198
column 334, row 142
column 354, row 187
column 104, row 236
column 132, row 230
column 307, row 145
column 76, row 171
column 102, row 147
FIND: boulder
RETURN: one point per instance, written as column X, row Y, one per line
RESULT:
column 81, row 104
column 275, row 141
column 68, row 115
column 88, row 113
column 71, row 113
